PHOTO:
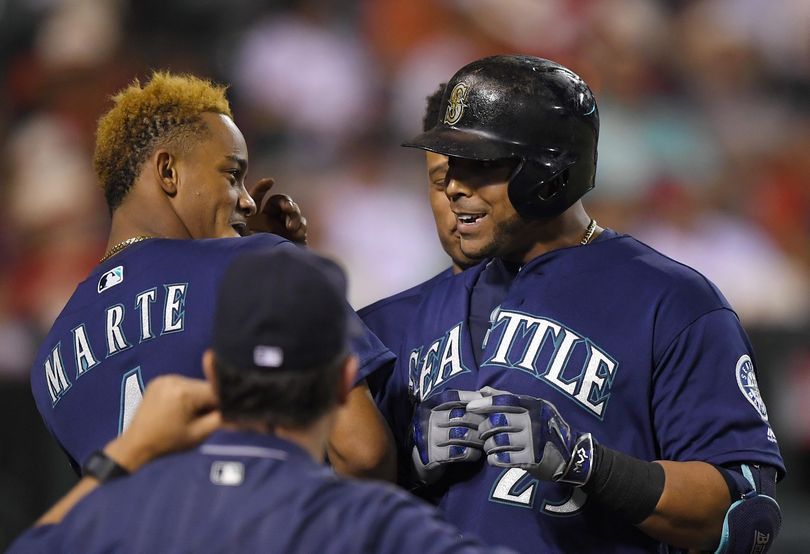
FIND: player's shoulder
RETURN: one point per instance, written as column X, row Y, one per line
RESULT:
column 238, row 245
column 404, row 299
column 647, row 267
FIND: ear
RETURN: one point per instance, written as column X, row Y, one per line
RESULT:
column 164, row 164
column 348, row 375
column 209, row 370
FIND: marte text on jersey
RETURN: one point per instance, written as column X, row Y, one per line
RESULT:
column 77, row 353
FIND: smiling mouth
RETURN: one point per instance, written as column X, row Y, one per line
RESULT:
column 468, row 219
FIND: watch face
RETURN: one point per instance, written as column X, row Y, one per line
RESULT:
column 102, row 467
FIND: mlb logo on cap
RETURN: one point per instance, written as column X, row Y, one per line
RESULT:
column 282, row 310
column 268, row 356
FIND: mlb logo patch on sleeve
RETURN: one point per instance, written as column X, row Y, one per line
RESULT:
column 111, row 278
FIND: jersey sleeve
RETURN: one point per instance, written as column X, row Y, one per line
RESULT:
column 396, row 407
column 388, row 320
column 706, row 404
column 373, row 354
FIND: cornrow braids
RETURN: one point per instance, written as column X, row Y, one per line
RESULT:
column 167, row 110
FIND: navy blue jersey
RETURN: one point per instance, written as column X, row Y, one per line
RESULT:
column 643, row 352
column 245, row 492
column 388, row 318
column 144, row 312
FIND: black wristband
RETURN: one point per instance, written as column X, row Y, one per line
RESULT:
column 102, row 467
column 625, row 485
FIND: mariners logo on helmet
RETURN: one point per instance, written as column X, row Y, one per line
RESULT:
column 456, row 103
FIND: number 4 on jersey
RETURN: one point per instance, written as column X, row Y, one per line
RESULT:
column 131, row 396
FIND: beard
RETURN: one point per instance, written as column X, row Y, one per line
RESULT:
column 509, row 240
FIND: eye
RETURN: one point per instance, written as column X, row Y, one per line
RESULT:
column 233, row 175
column 440, row 181
column 438, row 178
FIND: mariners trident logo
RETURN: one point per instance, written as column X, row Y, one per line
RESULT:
column 747, row 381
column 456, row 103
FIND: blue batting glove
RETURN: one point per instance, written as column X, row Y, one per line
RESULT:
column 445, row 432
column 529, row 433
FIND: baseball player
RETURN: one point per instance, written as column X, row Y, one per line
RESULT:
column 578, row 391
column 256, row 484
column 386, row 317
column 172, row 164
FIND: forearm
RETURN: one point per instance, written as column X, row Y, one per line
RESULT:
column 679, row 503
column 360, row 444
column 692, row 507
column 176, row 413
column 124, row 452
column 59, row 510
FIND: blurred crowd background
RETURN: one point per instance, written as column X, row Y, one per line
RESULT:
column 704, row 154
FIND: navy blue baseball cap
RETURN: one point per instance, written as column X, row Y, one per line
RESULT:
column 282, row 309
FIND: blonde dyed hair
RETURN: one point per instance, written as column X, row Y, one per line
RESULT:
column 165, row 111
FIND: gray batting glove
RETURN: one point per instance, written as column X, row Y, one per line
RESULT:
column 529, row 433
column 445, row 432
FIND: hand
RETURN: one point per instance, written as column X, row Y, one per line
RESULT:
column 277, row 214
column 529, row 433
column 444, row 432
column 176, row 413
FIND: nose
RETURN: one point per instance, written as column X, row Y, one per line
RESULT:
column 456, row 189
column 246, row 204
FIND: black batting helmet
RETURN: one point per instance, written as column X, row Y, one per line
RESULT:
column 525, row 108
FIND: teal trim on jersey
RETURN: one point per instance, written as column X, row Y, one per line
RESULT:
column 416, row 376
column 520, row 486
column 181, row 309
column 576, row 498
column 540, row 374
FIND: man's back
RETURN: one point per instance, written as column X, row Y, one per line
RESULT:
column 248, row 492
column 144, row 312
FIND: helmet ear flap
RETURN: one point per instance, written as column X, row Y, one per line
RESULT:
column 554, row 186
column 540, row 189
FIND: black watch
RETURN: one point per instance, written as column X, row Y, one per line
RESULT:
column 102, row 467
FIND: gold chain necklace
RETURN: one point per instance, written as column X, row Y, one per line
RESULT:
column 120, row 246
column 588, row 232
